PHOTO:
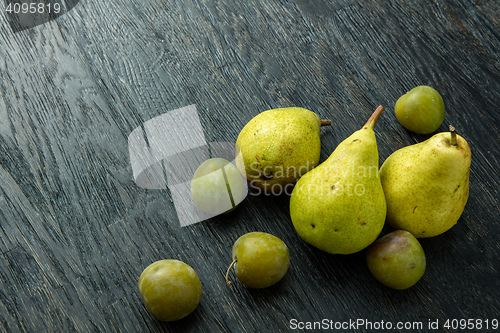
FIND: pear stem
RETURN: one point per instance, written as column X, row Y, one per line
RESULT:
column 227, row 273
column 326, row 122
column 453, row 140
column 374, row 117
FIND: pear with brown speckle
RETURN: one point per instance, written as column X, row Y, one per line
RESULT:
column 339, row 207
column 427, row 184
column 277, row 147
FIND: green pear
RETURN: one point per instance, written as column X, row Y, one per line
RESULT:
column 278, row 146
column 339, row 206
column 426, row 185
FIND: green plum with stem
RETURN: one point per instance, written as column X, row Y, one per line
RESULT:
column 259, row 260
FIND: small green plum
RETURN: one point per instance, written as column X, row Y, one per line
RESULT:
column 421, row 110
column 170, row 289
column 396, row 259
column 217, row 186
column 259, row 260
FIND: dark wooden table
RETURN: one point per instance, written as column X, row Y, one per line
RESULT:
column 76, row 230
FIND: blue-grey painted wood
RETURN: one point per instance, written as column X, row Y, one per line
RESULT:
column 76, row 231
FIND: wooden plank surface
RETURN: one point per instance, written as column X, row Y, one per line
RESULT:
column 76, row 231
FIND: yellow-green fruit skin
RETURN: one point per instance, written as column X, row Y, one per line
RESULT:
column 421, row 110
column 262, row 259
column 277, row 146
column 397, row 260
column 339, row 207
column 170, row 289
column 426, row 185
column 214, row 182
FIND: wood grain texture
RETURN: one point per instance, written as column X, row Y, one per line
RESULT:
column 76, row 231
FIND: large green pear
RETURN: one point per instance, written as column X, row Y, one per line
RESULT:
column 426, row 185
column 339, row 206
column 278, row 146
